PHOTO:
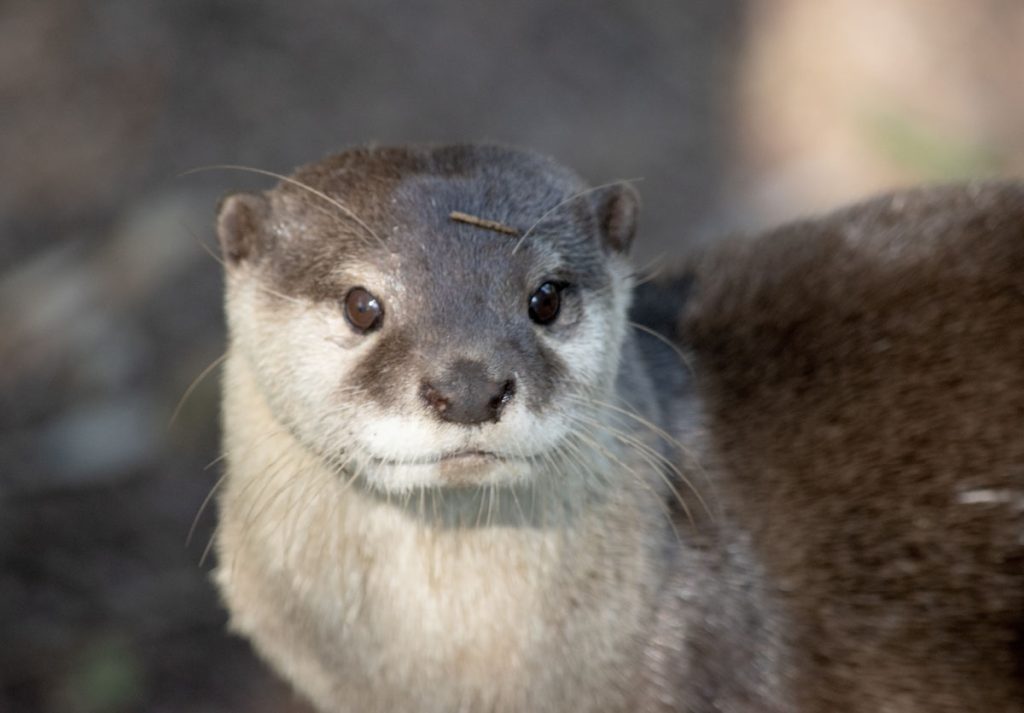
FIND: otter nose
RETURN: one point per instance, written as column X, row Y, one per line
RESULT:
column 467, row 394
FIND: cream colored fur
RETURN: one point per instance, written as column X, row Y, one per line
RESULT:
column 370, row 604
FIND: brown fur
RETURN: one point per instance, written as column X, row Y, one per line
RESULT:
column 862, row 376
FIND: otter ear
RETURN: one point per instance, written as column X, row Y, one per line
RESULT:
column 618, row 207
column 240, row 218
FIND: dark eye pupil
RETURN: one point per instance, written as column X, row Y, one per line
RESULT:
column 544, row 303
column 362, row 309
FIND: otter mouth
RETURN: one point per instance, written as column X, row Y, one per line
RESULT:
column 469, row 457
column 457, row 458
column 460, row 467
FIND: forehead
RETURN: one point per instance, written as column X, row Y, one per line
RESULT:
column 393, row 207
column 423, row 186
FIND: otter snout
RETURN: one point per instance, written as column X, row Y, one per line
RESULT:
column 466, row 393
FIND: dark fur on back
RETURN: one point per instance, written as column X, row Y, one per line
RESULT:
column 862, row 380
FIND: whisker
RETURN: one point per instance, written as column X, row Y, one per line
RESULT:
column 654, row 267
column 192, row 387
column 666, row 341
column 650, row 456
column 626, row 469
column 216, row 460
column 206, row 248
column 490, row 503
column 202, row 508
column 571, row 198
column 209, row 545
column 280, row 295
column 637, row 417
column 299, row 184
column 253, row 516
column 664, row 435
column 480, row 510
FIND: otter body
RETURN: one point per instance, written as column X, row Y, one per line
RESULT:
column 863, row 390
column 462, row 475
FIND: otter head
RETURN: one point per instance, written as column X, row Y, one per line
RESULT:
column 407, row 348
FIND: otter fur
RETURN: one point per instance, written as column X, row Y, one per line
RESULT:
column 473, row 466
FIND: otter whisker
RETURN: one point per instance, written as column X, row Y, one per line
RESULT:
column 594, row 443
column 299, row 184
column 253, row 515
column 654, row 452
column 202, row 508
column 650, row 456
column 206, row 248
column 647, row 423
column 634, row 416
column 515, row 498
column 570, row 199
column 490, row 503
column 209, row 545
column 666, row 341
column 479, row 492
column 653, row 267
column 195, row 383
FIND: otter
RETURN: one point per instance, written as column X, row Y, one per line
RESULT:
column 473, row 465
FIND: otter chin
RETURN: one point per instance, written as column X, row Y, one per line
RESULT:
column 476, row 467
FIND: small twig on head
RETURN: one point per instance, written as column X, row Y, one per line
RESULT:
column 482, row 223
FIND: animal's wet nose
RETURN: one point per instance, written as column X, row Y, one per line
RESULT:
column 467, row 393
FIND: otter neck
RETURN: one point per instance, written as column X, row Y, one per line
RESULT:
column 490, row 609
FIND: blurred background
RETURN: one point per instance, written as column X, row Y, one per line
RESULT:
column 735, row 114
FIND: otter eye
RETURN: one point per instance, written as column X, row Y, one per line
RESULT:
column 545, row 302
column 363, row 310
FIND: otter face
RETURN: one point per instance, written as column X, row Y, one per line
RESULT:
column 409, row 349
